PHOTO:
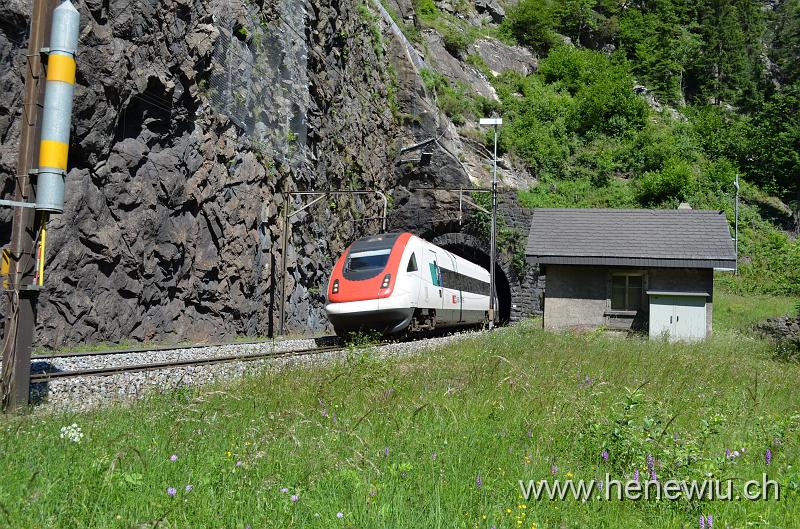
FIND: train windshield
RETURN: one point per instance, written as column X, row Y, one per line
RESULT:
column 373, row 261
column 369, row 256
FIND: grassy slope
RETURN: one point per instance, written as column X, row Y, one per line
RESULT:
column 504, row 408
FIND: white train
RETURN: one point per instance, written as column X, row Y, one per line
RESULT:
column 397, row 281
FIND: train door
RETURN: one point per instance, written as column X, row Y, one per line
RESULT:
column 433, row 281
column 414, row 276
column 452, row 288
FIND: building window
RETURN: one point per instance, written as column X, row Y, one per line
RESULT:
column 626, row 292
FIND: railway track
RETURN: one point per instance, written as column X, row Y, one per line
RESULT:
column 109, row 352
column 39, row 378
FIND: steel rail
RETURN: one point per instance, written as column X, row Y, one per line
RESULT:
column 115, row 370
column 155, row 349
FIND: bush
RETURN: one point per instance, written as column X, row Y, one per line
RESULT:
column 674, row 182
column 456, row 41
column 531, row 22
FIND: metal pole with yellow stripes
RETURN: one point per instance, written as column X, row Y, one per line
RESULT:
column 57, row 112
column 54, row 97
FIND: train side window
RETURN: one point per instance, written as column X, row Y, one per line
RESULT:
column 412, row 264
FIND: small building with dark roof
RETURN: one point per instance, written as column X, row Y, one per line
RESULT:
column 630, row 269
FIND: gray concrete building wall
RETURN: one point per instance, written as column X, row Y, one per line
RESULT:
column 575, row 296
column 579, row 296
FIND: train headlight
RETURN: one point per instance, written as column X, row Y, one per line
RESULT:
column 386, row 280
column 335, row 288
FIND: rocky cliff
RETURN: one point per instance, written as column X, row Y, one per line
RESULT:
column 172, row 221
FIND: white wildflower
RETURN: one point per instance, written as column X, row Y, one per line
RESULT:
column 72, row 433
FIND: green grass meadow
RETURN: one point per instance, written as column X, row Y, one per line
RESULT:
column 438, row 439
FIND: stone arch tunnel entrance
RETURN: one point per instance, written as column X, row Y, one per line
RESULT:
column 475, row 250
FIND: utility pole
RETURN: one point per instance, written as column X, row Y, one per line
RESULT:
column 493, row 251
column 21, row 292
column 736, row 232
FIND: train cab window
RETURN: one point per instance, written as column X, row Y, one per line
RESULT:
column 363, row 265
column 412, row 264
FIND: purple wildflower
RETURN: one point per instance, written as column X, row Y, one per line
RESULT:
column 653, row 476
column 702, row 522
column 768, row 456
column 478, row 481
column 284, row 490
column 636, row 475
column 173, row 458
column 238, row 463
column 340, row 515
column 605, row 455
column 710, row 520
column 650, row 462
column 433, row 456
column 600, row 486
column 294, row 498
column 171, row 491
column 728, row 453
column 325, row 412
column 554, row 470
column 188, row 488
column 386, row 451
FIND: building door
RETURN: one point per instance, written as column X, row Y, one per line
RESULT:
column 678, row 317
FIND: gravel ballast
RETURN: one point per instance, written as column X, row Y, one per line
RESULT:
column 90, row 392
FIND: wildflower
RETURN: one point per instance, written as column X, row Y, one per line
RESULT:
column 651, row 461
column 173, row 458
column 294, row 498
column 72, row 433
column 702, row 522
column 554, row 470
column 710, row 520
column 324, row 412
column 433, row 456
column 238, row 463
column 605, row 455
column 728, row 453
column 171, row 491
column 653, row 476
column 478, row 481
column 386, row 451
column 636, row 475
column 188, row 488
column 340, row 515
column 735, row 454
column 768, row 456
column 600, row 486
column 284, row 490
column 569, row 475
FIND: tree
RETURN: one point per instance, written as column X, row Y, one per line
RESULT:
column 773, row 160
column 786, row 43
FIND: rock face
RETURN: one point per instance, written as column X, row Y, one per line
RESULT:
column 172, row 228
column 501, row 58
